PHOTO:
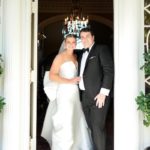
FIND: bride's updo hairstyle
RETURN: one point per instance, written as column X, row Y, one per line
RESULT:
column 62, row 47
column 69, row 36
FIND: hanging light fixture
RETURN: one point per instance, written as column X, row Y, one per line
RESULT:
column 76, row 21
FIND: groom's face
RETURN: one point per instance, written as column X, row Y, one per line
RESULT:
column 87, row 39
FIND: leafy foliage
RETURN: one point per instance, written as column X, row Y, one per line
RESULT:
column 2, row 103
column 143, row 102
column 1, row 66
column 146, row 65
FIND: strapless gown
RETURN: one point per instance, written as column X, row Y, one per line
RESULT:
column 65, row 127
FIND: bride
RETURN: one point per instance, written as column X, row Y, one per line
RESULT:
column 64, row 126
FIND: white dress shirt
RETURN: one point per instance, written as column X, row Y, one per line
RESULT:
column 83, row 61
column 81, row 83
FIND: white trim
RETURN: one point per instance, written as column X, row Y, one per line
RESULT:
column 33, row 86
column 25, row 74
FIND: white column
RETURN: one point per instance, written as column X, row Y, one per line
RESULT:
column 17, row 47
column 128, row 33
column 12, row 88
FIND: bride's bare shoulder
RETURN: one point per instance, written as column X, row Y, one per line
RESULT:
column 61, row 55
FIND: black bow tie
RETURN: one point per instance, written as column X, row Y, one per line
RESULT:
column 85, row 49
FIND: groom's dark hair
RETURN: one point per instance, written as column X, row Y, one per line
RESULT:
column 87, row 29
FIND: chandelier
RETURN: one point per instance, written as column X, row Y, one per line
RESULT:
column 75, row 22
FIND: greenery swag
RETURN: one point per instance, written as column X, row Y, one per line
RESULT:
column 143, row 100
column 2, row 103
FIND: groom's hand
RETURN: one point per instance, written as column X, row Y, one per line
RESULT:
column 75, row 80
column 100, row 100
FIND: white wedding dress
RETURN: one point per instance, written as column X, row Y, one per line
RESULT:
column 64, row 126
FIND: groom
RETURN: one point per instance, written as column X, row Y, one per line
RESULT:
column 96, row 72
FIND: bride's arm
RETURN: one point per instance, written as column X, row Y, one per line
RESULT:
column 54, row 72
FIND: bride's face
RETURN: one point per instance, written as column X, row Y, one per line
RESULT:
column 70, row 43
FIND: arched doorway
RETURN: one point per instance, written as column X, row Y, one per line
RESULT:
column 51, row 28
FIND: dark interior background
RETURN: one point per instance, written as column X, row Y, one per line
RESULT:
column 50, row 23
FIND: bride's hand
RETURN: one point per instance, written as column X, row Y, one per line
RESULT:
column 75, row 80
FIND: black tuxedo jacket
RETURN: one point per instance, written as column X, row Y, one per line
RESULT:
column 99, row 69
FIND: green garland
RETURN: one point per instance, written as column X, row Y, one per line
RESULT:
column 143, row 100
column 146, row 65
column 2, row 103
column 1, row 66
